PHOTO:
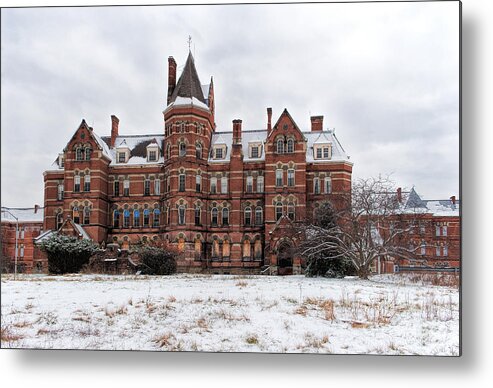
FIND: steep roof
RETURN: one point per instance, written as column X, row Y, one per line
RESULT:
column 189, row 85
column 22, row 214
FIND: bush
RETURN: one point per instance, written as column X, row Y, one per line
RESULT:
column 157, row 261
column 330, row 267
column 67, row 254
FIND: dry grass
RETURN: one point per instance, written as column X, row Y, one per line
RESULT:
column 7, row 335
column 359, row 325
column 165, row 340
column 241, row 283
column 252, row 340
column 301, row 310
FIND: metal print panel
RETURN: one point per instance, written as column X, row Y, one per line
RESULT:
column 278, row 178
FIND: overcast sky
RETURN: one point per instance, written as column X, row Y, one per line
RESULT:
column 386, row 76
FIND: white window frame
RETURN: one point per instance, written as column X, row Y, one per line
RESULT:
column 224, row 185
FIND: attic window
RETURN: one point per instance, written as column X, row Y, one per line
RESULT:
column 121, row 157
column 152, row 156
column 323, row 151
column 255, row 150
column 218, row 153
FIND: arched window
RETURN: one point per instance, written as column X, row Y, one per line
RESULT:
column 59, row 220
column 181, row 215
column 290, row 146
column 278, row 210
column 291, row 211
column 225, row 216
column 157, row 186
column 249, row 184
column 197, row 215
column 60, row 192
column 328, row 185
column 87, row 215
column 78, row 154
column 87, row 182
column 198, row 183
column 258, row 216
column 215, row 249
column 198, row 151
column 146, row 218
column 77, row 184
column 183, row 149
column 76, row 215
column 198, row 248
column 155, row 219
column 214, row 216
column 116, row 219
column 248, row 216
column 213, row 185
column 291, row 177
column 226, row 249
column 88, row 153
column 136, row 218
column 280, row 146
column 260, row 184
column 181, row 182
column 316, row 185
column 168, row 151
column 126, row 218
column 247, row 251
column 181, row 244
column 258, row 249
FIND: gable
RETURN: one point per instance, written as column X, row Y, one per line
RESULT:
column 285, row 126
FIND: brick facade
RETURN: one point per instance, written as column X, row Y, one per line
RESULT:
column 226, row 199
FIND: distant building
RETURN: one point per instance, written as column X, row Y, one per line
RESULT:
column 226, row 199
column 26, row 224
column 433, row 235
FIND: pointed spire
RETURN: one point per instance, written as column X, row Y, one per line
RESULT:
column 189, row 83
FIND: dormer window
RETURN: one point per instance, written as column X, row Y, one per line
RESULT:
column 152, row 152
column 121, row 157
column 323, row 151
column 218, row 153
column 255, row 150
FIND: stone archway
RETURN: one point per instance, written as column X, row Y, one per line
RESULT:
column 285, row 255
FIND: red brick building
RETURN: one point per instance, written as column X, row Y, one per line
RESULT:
column 21, row 225
column 433, row 235
column 225, row 198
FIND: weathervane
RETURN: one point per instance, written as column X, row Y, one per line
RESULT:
column 189, row 41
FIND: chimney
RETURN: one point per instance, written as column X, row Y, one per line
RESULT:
column 269, row 119
column 452, row 198
column 399, row 194
column 171, row 77
column 36, row 207
column 114, row 130
column 317, row 123
column 237, row 131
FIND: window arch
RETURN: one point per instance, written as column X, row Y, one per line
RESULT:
column 291, row 211
column 197, row 215
column 226, row 249
column 214, row 215
column 168, row 151
column 59, row 219
column 290, row 146
column 87, row 215
column 215, row 248
column 146, row 218
column 248, row 216
column 198, row 151
column 258, row 215
column 126, row 218
column 116, row 219
column 76, row 214
column 181, row 215
column 198, row 183
column 258, row 249
column 182, row 148
column 316, row 185
column 280, row 146
column 78, row 154
column 87, row 182
column 225, row 220
column 181, row 182
column 88, row 152
column 155, row 219
column 136, row 218
column 247, row 249
column 77, row 183
column 278, row 210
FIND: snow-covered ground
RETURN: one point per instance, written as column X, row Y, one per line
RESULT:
column 230, row 314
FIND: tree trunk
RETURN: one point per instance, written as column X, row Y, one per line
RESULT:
column 363, row 273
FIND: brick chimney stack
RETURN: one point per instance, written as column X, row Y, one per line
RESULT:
column 237, row 131
column 36, row 208
column 317, row 123
column 269, row 119
column 399, row 194
column 114, row 129
column 171, row 77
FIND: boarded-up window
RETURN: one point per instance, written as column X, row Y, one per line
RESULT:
column 247, row 253
column 226, row 249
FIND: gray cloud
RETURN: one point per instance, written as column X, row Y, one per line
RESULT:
column 384, row 75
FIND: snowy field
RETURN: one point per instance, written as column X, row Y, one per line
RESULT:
column 291, row 314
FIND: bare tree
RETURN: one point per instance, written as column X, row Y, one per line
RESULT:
column 373, row 224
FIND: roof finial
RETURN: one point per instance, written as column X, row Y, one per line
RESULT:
column 189, row 42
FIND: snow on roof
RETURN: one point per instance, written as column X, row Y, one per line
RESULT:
column 260, row 136
column 22, row 214
column 138, row 148
column 187, row 101
column 102, row 144
column 413, row 202
column 81, row 231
